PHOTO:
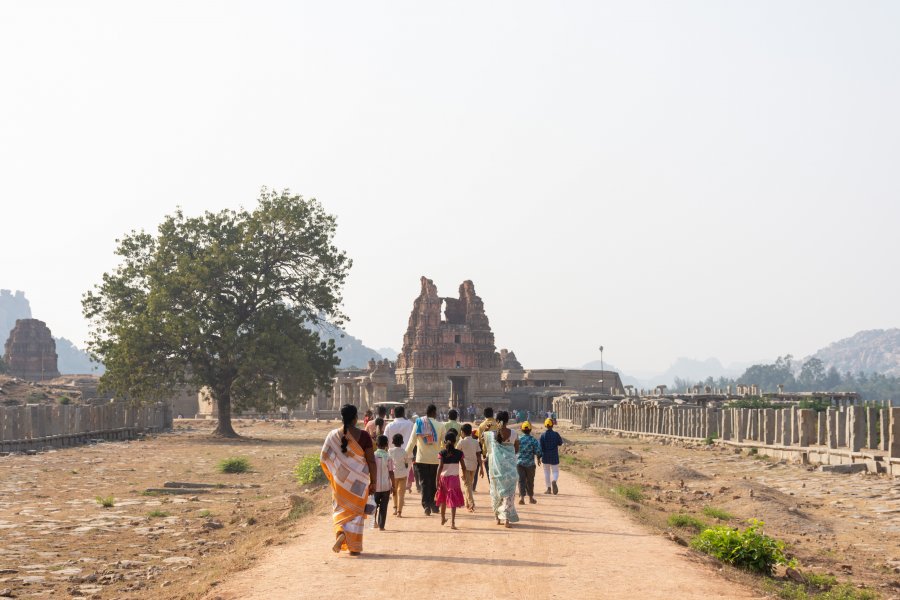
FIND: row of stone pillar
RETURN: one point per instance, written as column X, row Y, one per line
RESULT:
column 848, row 427
column 851, row 427
column 660, row 420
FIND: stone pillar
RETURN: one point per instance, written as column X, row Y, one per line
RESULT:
column 842, row 427
column 712, row 422
column 753, row 425
column 894, row 433
column 807, row 422
column 778, row 419
column 769, row 425
column 739, row 424
column 784, row 435
column 885, row 429
column 872, row 428
column 856, row 426
column 831, row 418
column 821, row 429
column 795, row 427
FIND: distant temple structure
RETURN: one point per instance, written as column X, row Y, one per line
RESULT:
column 30, row 351
column 449, row 359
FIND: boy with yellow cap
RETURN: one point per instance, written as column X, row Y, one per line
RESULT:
column 529, row 451
column 550, row 443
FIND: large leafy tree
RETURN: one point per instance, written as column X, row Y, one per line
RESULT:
column 228, row 301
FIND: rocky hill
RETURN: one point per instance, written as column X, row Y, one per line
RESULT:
column 875, row 350
column 353, row 353
column 13, row 306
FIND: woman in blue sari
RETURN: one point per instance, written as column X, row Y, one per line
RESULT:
column 504, row 444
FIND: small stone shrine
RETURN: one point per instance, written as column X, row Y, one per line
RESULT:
column 30, row 351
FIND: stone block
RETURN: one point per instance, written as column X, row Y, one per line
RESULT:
column 807, row 422
column 856, row 427
column 894, row 433
column 872, row 428
column 769, row 425
column 845, row 469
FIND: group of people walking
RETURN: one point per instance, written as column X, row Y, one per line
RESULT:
column 370, row 465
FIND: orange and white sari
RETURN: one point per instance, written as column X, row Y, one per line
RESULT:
column 348, row 475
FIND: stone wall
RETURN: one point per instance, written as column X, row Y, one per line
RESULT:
column 847, row 435
column 37, row 426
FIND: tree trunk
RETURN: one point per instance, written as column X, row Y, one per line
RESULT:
column 224, row 428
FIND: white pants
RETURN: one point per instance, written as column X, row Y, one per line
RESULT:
column 550, row 470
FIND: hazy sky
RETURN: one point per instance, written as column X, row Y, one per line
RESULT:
column 663, row 178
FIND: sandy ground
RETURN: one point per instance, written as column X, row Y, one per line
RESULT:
column 574, row 545
column 57, row 541
column 847, row 526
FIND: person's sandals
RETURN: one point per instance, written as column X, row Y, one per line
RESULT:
column 555, row 489
column 507, row 525
column 338, row 542
column 549, row 491
column 532, row 500
column 522, row 500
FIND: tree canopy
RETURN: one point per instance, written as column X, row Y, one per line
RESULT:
column 224, row 301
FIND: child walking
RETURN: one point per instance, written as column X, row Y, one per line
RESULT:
column 401, row 472
column 448, row 490
column 384, row 480
column 471, row 450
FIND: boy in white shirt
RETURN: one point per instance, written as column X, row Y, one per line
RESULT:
column 384, row 480
column 401, row 470
column 471, row 450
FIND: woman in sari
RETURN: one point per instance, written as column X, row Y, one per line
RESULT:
column 348, row 460
column 504, row 445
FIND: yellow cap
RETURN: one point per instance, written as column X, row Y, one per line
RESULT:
column 526, row 425
column 548, row 423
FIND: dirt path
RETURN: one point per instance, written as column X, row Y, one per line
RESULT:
column 573, row 546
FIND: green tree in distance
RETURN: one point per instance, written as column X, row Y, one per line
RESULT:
column 812, row 373
column 226, row 301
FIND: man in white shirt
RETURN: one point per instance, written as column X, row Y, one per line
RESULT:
column 400, row 425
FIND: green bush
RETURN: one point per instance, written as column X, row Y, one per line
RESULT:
column 749, row 549
column 106, row 501
column 717, row 513
column 309, row 470
column 157, row 514
column 630, row 492
column 843, row 591
column 234, row 464
column 686, row 522
column 64, row 400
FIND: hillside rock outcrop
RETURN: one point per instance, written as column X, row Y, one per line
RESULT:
column 874, row 350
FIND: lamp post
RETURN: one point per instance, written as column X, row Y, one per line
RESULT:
column 601, row 369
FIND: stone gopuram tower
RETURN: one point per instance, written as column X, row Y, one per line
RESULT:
column 30, row 351
column 450, row 360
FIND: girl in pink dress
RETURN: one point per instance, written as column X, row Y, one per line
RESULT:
column 449, row 492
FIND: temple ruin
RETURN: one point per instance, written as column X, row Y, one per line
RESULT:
column 449, row 357
column 30, row 351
